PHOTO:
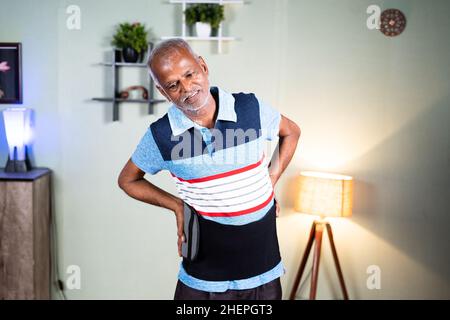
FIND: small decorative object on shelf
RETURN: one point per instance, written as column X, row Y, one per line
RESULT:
column 147, row 94
column 125, row 94
column 132, row 40
column 206, row 17
column 215, row 12
column 18, row 134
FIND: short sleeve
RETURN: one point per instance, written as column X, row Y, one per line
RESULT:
column 147, row 155
column 270, row 120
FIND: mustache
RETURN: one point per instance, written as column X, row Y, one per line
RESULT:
column 187, row 95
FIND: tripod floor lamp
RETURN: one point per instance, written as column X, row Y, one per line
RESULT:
column 325, row 195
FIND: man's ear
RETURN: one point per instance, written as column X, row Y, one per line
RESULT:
column 161, row 90
column 203, row 65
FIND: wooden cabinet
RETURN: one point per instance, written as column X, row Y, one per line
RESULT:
column 25, row 234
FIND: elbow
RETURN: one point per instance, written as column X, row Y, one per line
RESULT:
column 296, row 130
column 122, row 182
column 126, row 182
column 126, row 186
column 128, row 176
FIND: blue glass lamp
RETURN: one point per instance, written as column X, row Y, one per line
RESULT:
column 18, row 134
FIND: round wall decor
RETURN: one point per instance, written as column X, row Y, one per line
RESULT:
column 392, row 22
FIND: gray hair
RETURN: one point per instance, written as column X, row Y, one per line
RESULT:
column 167, row 47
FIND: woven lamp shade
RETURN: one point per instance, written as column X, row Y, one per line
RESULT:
column 324, row 194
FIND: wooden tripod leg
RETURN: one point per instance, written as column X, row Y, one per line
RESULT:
column 336, row 262
column 316, row 261
column 303, row 262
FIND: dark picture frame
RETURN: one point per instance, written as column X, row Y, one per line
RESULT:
column 10, row 73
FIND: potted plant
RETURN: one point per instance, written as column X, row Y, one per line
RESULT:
column 206, row 17
column 132, row 40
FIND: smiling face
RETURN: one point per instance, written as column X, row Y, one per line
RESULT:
column 183, row 79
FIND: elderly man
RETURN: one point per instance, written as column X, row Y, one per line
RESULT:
column 221, row 170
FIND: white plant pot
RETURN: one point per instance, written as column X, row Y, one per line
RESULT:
column 202, row 29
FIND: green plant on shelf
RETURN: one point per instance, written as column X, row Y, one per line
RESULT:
column 205, row 12
column 131, row 36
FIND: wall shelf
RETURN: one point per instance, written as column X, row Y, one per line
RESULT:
column 208, row 1
column 129, row 100
column 123, row 64
column 116, row 100
column 219, row 38
column 203, row 38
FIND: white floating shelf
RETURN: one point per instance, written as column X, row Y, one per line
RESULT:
column 201, row 38
column 209, row 1
column 218, row 38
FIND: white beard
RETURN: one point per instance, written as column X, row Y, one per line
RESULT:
column 193, row 109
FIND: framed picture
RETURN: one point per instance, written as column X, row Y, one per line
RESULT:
column 10, row 73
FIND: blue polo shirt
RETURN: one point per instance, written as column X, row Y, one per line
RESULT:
column 227, row 184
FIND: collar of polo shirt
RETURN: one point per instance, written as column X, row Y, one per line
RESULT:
column 179, row 122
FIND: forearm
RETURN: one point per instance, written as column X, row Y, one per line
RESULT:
column 145, row 191
column 282, row 156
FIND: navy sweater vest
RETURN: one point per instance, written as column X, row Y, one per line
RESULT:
column 227, row 252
